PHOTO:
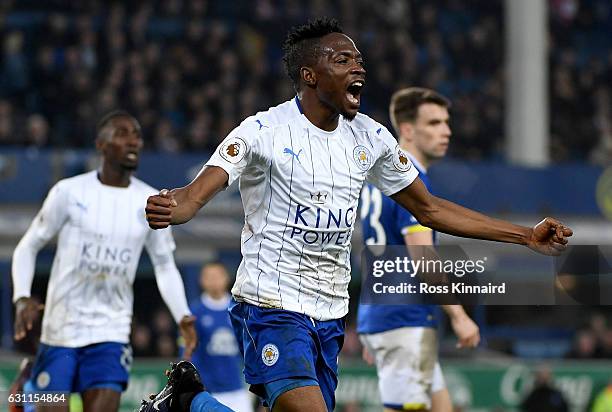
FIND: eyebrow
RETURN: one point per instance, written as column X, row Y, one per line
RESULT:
column 129, row 129
column 348, row 54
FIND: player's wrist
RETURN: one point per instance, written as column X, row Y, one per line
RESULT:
column 527, row 236
column 454, row 312
column 22, row 302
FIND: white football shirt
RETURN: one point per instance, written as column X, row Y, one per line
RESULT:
column 102, row 231
column 300, row 189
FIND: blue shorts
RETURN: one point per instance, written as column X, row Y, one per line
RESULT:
column 278, row 345
column 101, row 365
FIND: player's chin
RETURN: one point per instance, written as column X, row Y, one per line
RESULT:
column 349, row 113
column 130, row 165
column 439, row 154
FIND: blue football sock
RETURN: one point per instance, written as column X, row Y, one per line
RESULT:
column 204, row 402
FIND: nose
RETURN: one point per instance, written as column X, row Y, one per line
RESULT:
column 447, row 130
column 135, row 140
column 358, row 69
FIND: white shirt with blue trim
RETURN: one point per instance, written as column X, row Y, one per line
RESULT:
column 300, row 189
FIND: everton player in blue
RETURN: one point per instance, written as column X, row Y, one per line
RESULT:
column 301, row 166
column 402, row 338
column 217, row 356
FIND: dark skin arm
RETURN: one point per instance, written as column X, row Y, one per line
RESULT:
column 189, row 335
column 177, row 206
column 547, row 237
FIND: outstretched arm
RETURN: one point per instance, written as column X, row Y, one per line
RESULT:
column 547, row 237
column 177, row 206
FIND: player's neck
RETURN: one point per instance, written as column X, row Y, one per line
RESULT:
column 114, row 177
column 319, row 115
column 217, row 295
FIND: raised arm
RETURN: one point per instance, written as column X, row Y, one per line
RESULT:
column 177, row 206
column 547, row 237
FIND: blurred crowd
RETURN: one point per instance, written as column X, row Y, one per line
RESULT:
column 593, row 340
column 580, row 79
column 191, row 70
column 155, row 335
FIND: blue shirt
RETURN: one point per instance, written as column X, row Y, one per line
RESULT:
column 217, row 356
column 385, row 222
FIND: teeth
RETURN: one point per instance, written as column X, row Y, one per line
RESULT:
column 358, row 84
column 352, row 98
column 132, row 156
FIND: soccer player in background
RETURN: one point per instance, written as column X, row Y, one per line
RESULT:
column 301, row 166
column 402, row 338
column 84, row 345
column 217, row 357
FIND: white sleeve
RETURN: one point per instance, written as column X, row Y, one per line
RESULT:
column 392, row 170
column 242, row 148
column 160, row 246
column 45, row 225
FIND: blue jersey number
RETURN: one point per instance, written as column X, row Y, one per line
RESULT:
column 371, row 208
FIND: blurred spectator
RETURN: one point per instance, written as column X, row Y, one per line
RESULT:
column 585, row 345
column 164, row 334
column 165, row 346
column 37, row 131
column 141, row 340
column 598, row 324
column 594, row 341
column 606, row 344
column 162, row 322
column 602, row 152
column 15, row 69
column 7, row 119
column 217, row 356
column 544, row 397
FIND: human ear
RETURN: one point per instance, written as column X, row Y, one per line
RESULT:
column 309, row 77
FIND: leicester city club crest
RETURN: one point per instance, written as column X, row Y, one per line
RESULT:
column 362, row 157
column 269, row 354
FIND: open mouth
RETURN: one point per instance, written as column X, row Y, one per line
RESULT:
column 353, row 92
column 133, row 156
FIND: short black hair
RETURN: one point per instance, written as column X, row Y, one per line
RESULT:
column 302, row 45
column 107, row 118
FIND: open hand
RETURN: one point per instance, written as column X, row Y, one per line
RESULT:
column 367, row 356
column 549, row 237
column 159, row 209
column 466, row 330
column 27, row 311
column 189, row 335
